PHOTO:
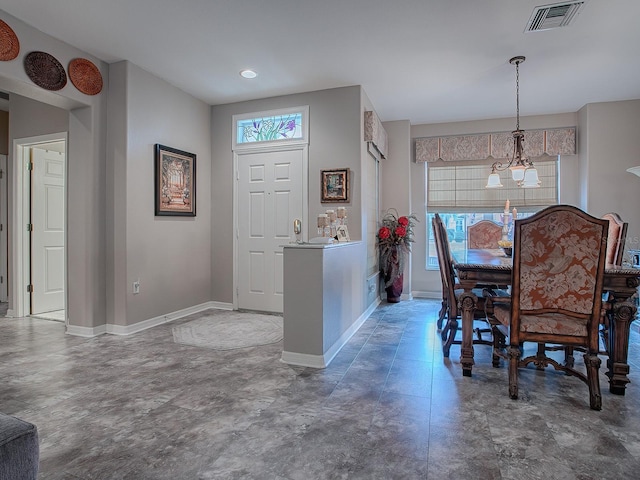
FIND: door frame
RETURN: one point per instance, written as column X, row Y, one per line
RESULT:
column 237, row 154
column 4, row 233
column 21, row 256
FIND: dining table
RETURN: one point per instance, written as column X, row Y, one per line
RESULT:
column 475, row 267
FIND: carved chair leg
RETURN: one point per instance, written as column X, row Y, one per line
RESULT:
column 499, row 345
column 444, row 333
column 442, row 313
column 569, row 360
column 451, row 329
column 514, row 359
column 592, row 363
column 540, row 357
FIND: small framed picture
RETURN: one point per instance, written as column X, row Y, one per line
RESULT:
column 343, row 233
column 175, row 182
column 334, row 185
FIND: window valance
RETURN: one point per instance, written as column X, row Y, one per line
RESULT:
column 552, row 142
column 375, row 133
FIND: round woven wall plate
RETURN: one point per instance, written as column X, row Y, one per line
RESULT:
column 45, row 71
column 9, row 44
column 85, row 76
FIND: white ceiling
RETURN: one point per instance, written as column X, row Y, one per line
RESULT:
column 428, row 61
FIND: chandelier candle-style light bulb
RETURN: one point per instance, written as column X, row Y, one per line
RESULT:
column 494, row 181
column 531, row 179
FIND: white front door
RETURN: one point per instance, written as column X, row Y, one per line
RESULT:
column 47, row 236
column 270, row 186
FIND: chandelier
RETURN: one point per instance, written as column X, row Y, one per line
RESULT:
column 522, row 170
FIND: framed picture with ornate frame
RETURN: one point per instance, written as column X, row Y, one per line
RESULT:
column 334, row 185
column 175, row 182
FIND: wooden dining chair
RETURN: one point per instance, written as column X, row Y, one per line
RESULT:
column 450, row 291
column 558, row 269
column 617, row 234
column 484, row 234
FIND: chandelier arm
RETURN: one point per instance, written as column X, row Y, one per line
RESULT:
column 498, row 166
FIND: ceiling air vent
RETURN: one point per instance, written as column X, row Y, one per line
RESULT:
column 557, row 15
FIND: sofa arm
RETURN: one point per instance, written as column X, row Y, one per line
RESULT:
column 19, row 449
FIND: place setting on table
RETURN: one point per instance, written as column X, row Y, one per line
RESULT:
column 475, row 267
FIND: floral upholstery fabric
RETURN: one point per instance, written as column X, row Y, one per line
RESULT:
column 484, row 234
column 554, row 323
column 558, row 263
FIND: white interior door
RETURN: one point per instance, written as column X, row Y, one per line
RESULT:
column 47, row 236
column 270, row 186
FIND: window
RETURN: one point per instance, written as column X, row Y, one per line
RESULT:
column 456, row 225
column 457, row 193
column 271, row 128
column 461, row 188
column 285, row 126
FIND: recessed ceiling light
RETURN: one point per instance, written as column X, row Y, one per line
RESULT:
column 248, row 73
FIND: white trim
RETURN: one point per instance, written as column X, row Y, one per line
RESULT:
column 427, row 294
column 304, row 110
column 323, row 361
column 20, row 257
column 145, row 324
column 4, row 234
column 86, row 332
column 303, row 359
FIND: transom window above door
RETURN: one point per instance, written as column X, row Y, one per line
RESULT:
column 286, row 126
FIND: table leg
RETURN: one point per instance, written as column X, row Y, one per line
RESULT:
column 617, row 366
column 467, row 302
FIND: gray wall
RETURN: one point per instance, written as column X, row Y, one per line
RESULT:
column 397, row 185
column 4, row 132
column 171, row 256
column 31, row 114
column 335, row 141
column 608, row 144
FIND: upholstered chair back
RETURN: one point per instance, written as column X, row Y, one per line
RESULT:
column 559, row 258
column 615, row 238
column 484, row 234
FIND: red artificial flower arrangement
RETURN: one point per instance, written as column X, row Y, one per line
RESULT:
column 394, row 241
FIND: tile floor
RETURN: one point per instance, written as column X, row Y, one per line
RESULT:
column 388, row 407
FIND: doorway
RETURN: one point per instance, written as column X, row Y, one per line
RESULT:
column 270, row 195
column 40, row 207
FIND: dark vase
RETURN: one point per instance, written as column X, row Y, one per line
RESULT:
column 394, row 291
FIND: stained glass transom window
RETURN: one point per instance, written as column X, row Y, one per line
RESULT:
column 269, row 129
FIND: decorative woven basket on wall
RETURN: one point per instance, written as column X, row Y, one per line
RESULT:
column 85, row 76
column 9, row 43
column 45, row 70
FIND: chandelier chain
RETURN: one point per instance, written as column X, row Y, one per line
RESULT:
column 517, row 95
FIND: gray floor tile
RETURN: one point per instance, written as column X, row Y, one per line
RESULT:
column 389, row 406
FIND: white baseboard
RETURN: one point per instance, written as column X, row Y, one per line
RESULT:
column 303, row 359
column 145, row 324
column 427, row 294
column 86, row 331
column 323, row 361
